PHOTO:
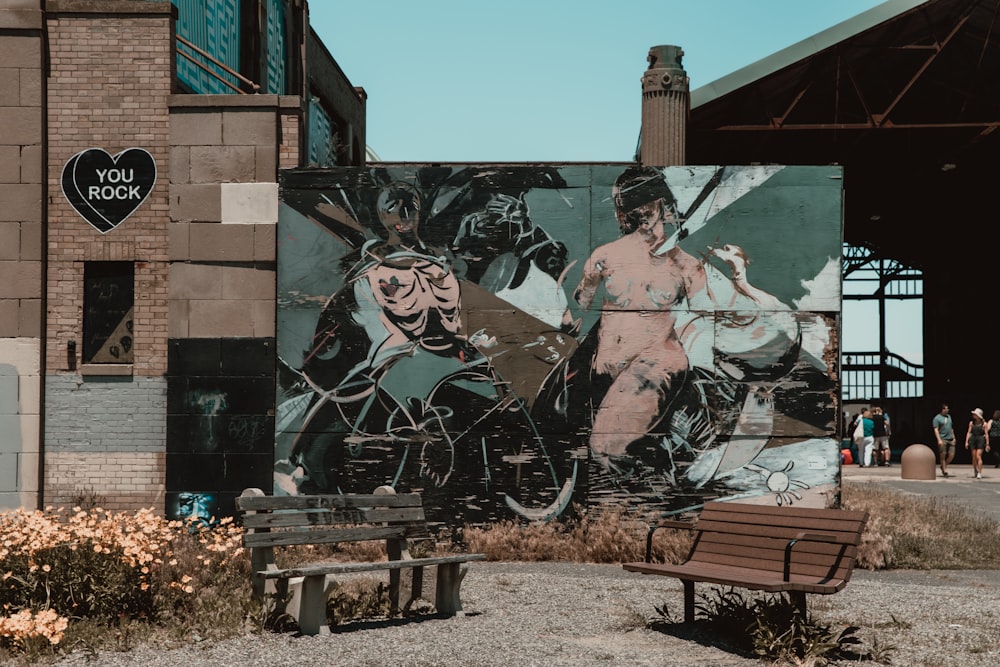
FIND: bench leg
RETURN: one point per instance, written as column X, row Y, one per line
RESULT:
column 688, row 601
column 449, row 581
column 799, row 598
column 416, row 588
column 312, row 610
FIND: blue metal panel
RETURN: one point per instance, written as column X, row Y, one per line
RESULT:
column 320, row 139
column 214, row 27
column 275, row 28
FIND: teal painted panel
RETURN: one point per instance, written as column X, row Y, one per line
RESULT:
column 212, row 26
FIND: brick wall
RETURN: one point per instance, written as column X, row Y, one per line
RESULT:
column 110, row 80
column 120, row 481
column 128, row 58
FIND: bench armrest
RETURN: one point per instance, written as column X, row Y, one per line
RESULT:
column 666, row 523
column 806, row 537
column 816, row 537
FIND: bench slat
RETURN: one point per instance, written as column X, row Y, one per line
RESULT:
column 797, row 514
column 314, row 569
column 332, row 501
column 331, row 517
column 333, row 536
column 740, row 577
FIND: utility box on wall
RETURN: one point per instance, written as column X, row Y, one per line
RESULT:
column 514, row 340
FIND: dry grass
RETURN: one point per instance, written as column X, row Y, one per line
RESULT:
column 909, row 532
column 604, row 535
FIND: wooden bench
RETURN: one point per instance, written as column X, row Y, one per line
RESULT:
column 766, row 548
column 280, row 521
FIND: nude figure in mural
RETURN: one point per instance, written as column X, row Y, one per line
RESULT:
column 645, row 276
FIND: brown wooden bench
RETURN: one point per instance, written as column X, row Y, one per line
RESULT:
column 280, row 521
column 766, row 548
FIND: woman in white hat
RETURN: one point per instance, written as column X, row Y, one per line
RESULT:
column 976, row 440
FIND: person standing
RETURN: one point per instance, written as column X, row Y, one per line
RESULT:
column 882, row 431
column 993, row 435
column 944, row 432
column 976, row 441
column 867, row 446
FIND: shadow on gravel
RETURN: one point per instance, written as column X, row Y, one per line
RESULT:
column 379, row 623
column 699, row 632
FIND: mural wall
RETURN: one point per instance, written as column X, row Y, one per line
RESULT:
column 517, row 341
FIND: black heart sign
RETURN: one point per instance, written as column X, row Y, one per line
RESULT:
column 105, row 189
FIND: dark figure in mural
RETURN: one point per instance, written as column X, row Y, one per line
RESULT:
column 645, row 275
column 515, row 259
column 402, row 302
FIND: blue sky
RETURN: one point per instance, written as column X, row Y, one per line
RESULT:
column 540, row 80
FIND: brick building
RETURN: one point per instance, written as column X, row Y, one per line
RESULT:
column 137, row 239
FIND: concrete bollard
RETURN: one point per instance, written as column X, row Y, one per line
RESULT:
column 918, row 462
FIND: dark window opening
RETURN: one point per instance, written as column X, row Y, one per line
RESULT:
column 108, row 303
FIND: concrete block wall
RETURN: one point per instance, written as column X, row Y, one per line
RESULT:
column 22, row 99
column 110, row 79
column 225, row 154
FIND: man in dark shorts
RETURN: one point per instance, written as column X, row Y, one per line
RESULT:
column 944, row 432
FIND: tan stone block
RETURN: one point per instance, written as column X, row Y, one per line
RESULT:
column 180, row 165
column 10, row 86
column 31, row 87
column 196, row 281
column 21, row 202
column 29, row 463
column 32, row 244
column 25, row 123
column 263, row 318
column 221, row 243
column 30, row 318
column 20, row 19
column 20, row 279
column 20, row 51
column 264, row 243
column 29, row 394
column 220, row 319
column 22, row 353
column 249, row 203
column 179, row 240
column 30, row 432
column 239, row 282
column 10, row 240
column 10, row 162
column 250, row 128
column 222, row 164
column 267, row 164
column 195, row 203
column 189, row 128
column 177, row 312
column 31, row 164
column 8, row 317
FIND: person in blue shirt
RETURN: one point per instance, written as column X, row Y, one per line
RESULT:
column 944, row 432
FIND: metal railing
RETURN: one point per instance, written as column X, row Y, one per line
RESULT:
column 254, row 87
column 873, row 375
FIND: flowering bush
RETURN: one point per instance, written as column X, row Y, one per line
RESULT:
column 56, row 566
column 25, row 626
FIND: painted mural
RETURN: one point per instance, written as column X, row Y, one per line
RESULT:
column 519, row 341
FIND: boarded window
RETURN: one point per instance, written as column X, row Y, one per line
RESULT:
column 108, row 300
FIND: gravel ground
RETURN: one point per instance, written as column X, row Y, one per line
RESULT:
column 555, row 614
